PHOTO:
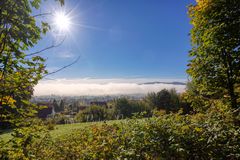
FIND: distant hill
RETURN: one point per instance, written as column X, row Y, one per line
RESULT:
column 156, row 82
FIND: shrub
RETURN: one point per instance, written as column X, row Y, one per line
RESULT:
column 212, row 135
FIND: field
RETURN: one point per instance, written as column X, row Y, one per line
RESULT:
column 62, row 129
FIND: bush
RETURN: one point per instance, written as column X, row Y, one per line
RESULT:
column 26, row 143
column 50, row 123
column 172, row 136
column 212, row 135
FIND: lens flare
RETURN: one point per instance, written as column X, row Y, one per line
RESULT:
column 62, row 21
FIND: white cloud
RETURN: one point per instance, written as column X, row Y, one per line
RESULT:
column 86, row 86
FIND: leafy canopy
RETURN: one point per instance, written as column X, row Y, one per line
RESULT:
column 19, row 31
column 215, row 64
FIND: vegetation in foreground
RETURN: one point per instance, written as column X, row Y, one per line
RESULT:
column 212, row 135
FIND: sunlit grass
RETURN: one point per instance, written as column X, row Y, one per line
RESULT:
column 62, row 129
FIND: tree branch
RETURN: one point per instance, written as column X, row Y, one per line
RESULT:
column 42, row 14
column 58, row 70
column 47, row 48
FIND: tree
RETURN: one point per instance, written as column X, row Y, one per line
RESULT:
column 175, row 99
column 164, row 99
column 126, row 108
column 62, row 105
column 92, row 113
column 55, row 105
column 123, row 107
column 19, row 31
column 151, row 99
column 215, row 64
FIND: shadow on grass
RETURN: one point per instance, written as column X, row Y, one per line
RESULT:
column 5, row 131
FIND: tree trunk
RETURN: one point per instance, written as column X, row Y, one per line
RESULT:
column 232, row 95
column 230, row 81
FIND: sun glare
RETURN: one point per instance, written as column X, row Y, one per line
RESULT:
column 62, row 21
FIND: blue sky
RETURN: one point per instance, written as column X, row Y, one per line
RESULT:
column 122, row 39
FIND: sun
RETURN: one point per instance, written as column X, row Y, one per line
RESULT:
column 62, row 21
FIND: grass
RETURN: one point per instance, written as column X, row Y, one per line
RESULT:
column 61, row 129
column 6, row 135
